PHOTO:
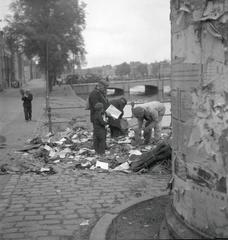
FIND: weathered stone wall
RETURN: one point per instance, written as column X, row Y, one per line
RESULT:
column 199, row 56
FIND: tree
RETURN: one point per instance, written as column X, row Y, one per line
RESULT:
column 49, row 29
column 142, row 69
column 123, row 69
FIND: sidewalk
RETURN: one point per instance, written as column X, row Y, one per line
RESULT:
column 67, row 106
column 13, row 126
column 67, row 205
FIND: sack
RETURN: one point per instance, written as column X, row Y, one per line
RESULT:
column 122, row 123
column 114, row 122
column 161, row 152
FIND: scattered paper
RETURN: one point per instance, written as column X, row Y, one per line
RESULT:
column 77, row 158
column 74, row 136
column 47, row 148
column 148, row 147
column 90, row 158
column 52, row 154
column 45, row 169
column 83, row 150
column 62, row 155
column 84, row 223
column 102, row 165
column 127, row 141
column 113, row 111
column 123, row 166
column 135, row 152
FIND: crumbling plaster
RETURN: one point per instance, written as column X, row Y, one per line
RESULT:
column 200, row 36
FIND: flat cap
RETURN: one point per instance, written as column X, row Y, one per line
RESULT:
column 104, row 82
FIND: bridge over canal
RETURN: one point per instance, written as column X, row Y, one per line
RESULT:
column 152, row 86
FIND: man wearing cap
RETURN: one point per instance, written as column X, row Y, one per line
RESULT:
column 99, row 94
column 151, row 113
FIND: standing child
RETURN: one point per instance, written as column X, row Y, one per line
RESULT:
column 99, row 130
column 27, row 98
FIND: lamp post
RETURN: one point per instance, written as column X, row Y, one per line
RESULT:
column 48, row 108
column 47, row 77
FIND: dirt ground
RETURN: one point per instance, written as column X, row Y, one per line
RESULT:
column 141, row 222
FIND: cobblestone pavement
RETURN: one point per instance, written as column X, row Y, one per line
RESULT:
column 35, row 207
column 66, row 205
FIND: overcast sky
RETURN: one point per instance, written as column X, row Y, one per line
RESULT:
column 120, row 31
column 127, row 30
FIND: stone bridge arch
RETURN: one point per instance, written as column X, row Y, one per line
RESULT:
column 151, row 90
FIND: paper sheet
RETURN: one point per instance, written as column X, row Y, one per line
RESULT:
column 113, row 111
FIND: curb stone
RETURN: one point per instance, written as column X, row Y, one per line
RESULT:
column 100, row 230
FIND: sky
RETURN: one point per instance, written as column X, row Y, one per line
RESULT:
column 120, row 31
column 127, row 30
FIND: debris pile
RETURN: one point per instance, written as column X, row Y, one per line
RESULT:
column 73, row 148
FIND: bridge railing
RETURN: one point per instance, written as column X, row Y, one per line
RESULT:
column 126, row 81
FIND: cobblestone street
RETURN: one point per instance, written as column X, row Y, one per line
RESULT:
column 68, row 204
column 35, row 207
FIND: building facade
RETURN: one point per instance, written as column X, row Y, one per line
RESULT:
column 15, row 68
column 5, row 63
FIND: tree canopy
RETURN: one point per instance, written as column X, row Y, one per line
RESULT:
column 48, row 29
column 123, row 69
column 142, row 69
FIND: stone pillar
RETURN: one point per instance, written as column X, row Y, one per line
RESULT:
column 199, row 57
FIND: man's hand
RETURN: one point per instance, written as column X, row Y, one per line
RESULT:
column 108, row 114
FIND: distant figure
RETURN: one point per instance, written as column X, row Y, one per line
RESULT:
column 59, row 80
column 115, row 126
column 27, row 98
column 99, row 129
column 151, row 113
column 99, row 94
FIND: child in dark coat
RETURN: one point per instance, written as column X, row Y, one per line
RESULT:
column 99, row 130
column 27, row 98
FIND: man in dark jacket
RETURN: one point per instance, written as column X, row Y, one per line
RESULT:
column 99, row 94
column 114, row 124
column 27, row 98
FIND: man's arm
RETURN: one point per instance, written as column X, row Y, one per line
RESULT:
column 140, row 124
column 101, row 121
column 153, row 119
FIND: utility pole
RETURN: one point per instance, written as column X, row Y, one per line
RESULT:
column 47, row 77
column 48, row 108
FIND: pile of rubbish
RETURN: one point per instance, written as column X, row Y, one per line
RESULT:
column 73, row 148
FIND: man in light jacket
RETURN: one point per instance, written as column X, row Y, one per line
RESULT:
column 151, row 113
